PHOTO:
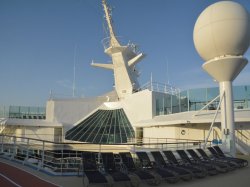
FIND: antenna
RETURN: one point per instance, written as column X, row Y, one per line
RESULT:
column 168, row 82
column 50, row 95
column 113, row 41
column 151, row 81
column 74, row 74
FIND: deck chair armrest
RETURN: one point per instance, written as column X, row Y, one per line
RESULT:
column 123, row 168
column 195, row 160
column 228, row 155
column 154, row 164
column 201, row 158
column 181, row 161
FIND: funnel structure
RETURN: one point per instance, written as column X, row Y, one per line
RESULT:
column 221, row 37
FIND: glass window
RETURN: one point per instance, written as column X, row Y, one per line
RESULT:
column 103, row 126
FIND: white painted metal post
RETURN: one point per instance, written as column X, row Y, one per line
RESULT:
column 14, row 148
column 27, row 149
column 227, row 117
column 212, row 124
column 2, row 138
column 62, row 161
column 42, row 156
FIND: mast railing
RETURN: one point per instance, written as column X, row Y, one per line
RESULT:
column 160, row 87
column 106, row 44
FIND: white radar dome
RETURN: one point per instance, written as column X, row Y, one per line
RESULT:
column 222, row 29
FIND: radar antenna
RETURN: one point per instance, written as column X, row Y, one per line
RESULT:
column 113, row 41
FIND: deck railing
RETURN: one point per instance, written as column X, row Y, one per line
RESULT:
column 65, row 158
column 161, row 87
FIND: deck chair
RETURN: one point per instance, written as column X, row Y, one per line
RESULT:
column 91, row 171
column 216, row 161
column 210, row 169
column 220, row 167
column 240, row 161
column 196, row 171
column 169, row 176
column 183, row 173
column 144, row 175
column 221, row 158
column 108, row 162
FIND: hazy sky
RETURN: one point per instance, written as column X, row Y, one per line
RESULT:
column 38, row 39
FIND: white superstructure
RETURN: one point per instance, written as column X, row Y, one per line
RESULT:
column 148, row 113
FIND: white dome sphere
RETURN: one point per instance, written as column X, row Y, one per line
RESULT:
column 222, row 29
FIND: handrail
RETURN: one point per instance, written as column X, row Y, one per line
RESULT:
column 198, row 112
column 106, row 43
column 60, row 158
column 147, row 138
column 247, row 138
column 160, row 87
column 243, row 134
column 212, row 124
column 90, row 143
column 2, row 124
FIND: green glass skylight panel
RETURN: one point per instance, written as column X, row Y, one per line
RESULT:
column 103, row 126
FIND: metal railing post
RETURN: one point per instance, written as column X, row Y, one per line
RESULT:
column 62, row 160
column 14, row 148
column 27, row 149
column 166, row 145
column 212, row 124
column 42, row 156
column 2, row 138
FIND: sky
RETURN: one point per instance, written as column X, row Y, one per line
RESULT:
column 41, row 40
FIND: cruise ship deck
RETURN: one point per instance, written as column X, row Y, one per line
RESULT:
column 151, row 135
column 238, row 178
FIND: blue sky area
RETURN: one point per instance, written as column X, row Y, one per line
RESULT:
column 38, row 39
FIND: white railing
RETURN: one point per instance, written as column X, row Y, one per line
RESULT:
column 65, row 158
column 161, row 87
column 106, row 44
column 243, row 140
column 2, row 124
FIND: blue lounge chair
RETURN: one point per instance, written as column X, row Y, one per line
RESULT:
column 143, row 174
column 240, row 161
column 183, row 173
column 220, row 167
column 169, row 176
column 210, row 169
column 90, row 169
column 197, row 171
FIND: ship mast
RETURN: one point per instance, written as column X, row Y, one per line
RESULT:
column 113, row 41
column 124, row 59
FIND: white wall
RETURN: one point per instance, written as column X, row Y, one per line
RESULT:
column 138, row 106
column 43, row 133
column 69, row 111
column 159, row 132
column 191, row 133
